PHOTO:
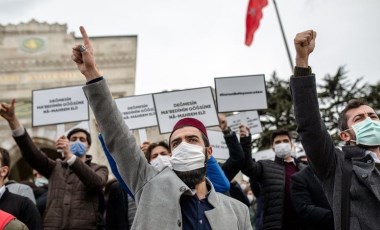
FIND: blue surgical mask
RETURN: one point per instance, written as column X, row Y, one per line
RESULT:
column 78, row 148
column 367, row 132
column 41, row 181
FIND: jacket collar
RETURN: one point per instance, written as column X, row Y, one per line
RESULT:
column 353, row 151
column 213, row 199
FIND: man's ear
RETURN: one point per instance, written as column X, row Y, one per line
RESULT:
column 344, row 136
column 209, row 152
column 4, row 171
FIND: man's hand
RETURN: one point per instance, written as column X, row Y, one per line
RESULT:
column 223, row 122
column 144, row 146
column 244, row 131
column 64, row 144
column 7, row 111
column 84, row 58
column 304, row 43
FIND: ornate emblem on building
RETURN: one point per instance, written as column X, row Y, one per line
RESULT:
column 33, row 45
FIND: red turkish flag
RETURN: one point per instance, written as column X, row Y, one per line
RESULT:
column 254, row 15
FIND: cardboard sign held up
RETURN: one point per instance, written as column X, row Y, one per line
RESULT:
column 243, row 93
column 218, row 144
column 59, row 105
column 175, row 105
column 250, row 118
column 138, row 111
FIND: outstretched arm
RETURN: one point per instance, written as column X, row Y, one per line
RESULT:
column 314, row 136
column 133, row 167
column 233, row 164
column 29, row 150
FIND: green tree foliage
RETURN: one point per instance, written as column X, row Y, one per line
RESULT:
column 334, row 91
column 279, row 113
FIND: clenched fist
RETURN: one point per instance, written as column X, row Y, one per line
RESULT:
column 304, row 43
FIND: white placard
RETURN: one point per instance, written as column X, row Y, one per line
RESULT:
column 250, row 118
column 242, row 93
column 234, row 121
column 142, row 135
column 253, row 121
column 138, row 111
column 173, row 106
column 218, row 144
column 59, row 105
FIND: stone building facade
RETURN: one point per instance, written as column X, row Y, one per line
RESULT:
column 37, row 55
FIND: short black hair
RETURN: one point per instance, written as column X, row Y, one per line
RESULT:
column 77, row 130
column 352, row 104
column 148, row 152
column 205, row 140
column 5, row 159
column 279, row 132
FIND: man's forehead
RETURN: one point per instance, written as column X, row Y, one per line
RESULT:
column 361, row 110
column 281, row 137
column 186, row 131
column 79, row 133
column 159, row 148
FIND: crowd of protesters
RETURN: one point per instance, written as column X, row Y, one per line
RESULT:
column 178, row 184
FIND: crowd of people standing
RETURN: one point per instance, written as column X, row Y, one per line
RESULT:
column 178, row 184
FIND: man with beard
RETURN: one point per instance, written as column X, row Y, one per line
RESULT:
column 181, row 198
column 350, row 176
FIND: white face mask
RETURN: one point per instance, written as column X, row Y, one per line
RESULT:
column 243, row 186
column 187, row 157
column 250, row 198
column 283, row 150
column 160, row 162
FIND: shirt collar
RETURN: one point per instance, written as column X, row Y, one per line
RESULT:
column 2, row 191
column 294, row 162
column 373, row 155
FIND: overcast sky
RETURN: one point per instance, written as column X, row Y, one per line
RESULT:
column 185, row 44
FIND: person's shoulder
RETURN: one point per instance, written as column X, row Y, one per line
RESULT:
column 224, row 199
column 14, row 198
column 266, row 162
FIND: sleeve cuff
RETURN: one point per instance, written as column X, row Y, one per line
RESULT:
column 300, row 71
column 71, row 160
column 227, row 132
column 94, row 80
column 19, row 131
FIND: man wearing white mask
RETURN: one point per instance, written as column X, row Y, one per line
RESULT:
column 158, row 155
column 350, row 175
column 274, row 178
column 75, row 183
column 181, row 198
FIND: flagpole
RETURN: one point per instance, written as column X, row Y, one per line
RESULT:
column 283, row 36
